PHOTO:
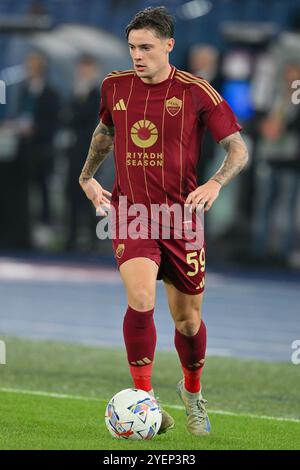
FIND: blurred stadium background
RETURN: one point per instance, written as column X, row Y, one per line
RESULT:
column 54, row 54
column 57, row 280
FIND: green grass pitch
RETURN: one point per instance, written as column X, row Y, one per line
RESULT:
column 252, row 404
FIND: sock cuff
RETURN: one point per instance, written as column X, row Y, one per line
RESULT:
column 139, row 318
column 138, row 312
column 191, row 374
column 141, row 371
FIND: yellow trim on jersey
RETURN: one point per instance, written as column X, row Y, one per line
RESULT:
column 114, row 75
column 173, row 73
column 119, row 72
column 115, row 137
column 181, row 145
column 203, row 84
column 120, row 106
column 202, row 80
column 194, row 77
column 163, row 142
column 126, row 139
column 143, row 124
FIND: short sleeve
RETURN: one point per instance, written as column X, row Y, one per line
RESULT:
column 221, row 121
column 104, row 112
column 213, row 111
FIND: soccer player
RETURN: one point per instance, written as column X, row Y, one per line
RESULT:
column 155, row 116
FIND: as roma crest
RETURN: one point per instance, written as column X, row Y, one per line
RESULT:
column 173, row 105
column 120, row 250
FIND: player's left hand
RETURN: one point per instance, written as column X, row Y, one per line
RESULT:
column 204, row 196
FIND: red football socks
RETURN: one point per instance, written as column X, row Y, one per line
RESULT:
column 191, row 352
column 140, row 341
column 141, row 377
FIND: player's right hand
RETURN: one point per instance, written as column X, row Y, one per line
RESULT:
column 94, row 191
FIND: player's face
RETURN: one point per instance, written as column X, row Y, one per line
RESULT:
column 149, row 53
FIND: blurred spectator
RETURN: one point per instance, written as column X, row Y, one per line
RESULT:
column 203, row 61
column 83, row 115
column 279, row 170
column 37, row 122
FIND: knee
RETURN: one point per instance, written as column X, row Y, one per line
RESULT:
column 190, row 324
column 188, row 327
column 141, row 298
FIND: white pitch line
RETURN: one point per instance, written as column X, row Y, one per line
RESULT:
column 175, row 407
column 47, row 394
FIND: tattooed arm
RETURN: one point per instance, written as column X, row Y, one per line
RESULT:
column 101, row 145
column 234, row 162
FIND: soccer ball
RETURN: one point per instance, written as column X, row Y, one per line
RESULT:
column 133, row 414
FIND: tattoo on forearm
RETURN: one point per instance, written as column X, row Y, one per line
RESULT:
column 235, row 160
column 101, row 145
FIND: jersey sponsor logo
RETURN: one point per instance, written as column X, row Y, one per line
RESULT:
column 144, row 159
column 144, row 133
column 120, row 250
column 120, row 106
column 173, row 106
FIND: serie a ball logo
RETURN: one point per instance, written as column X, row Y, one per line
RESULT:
column 144, row 133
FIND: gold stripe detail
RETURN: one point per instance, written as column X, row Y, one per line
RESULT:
column 163, row 143
column 202, row 80
column 202, row 284
column 201, row 86
column 114, row 95
column 180, row 152
column 120, row 106
column 141, row 362
column 144, row 169
column 198, row 364
column 146, row 360
column 173, row 73
column 120, row 72
column 213, row 91
column 215, row 97
column 126, row 137
column 118, row 75
column 115, row 139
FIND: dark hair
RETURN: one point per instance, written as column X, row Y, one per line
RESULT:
column 158, row 19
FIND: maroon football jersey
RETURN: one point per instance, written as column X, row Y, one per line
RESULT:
column 158, row 133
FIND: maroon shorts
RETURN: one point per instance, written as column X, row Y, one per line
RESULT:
column 184, row 268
